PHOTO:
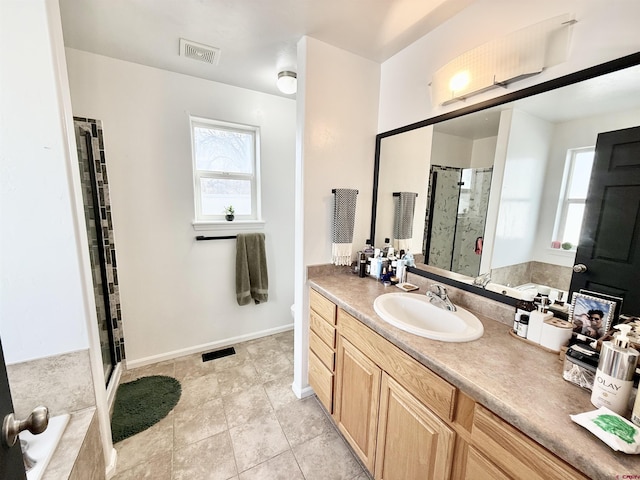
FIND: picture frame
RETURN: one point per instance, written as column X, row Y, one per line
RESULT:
column 618, row 301
column 591, row 316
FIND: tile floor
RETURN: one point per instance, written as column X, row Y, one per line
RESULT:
column 238, row 419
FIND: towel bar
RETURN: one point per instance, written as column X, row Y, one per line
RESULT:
column 334, row 191
column 397, row 194
column 227, row 237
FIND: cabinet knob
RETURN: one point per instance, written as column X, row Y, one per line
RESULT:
column 579, row 268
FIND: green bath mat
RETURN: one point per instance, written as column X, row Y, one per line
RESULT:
column 143, row 403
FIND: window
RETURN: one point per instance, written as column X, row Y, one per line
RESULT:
column 226, row 170
column 574, row 194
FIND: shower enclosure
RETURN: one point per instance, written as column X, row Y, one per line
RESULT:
column 456, row 209
column 102, row 251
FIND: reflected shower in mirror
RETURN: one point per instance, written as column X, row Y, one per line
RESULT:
column 527, row 146
column 455, row 218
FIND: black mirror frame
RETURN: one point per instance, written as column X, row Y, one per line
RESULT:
column 579, row 76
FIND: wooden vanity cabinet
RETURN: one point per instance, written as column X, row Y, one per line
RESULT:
column 322, row 347
column 404, row 421
column 390, row 424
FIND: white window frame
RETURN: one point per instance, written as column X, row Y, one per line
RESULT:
column 565, row 200
column 218, row 222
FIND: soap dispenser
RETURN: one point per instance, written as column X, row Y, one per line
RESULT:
column 614, row 376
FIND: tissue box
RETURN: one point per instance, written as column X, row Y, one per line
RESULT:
column 580, row 364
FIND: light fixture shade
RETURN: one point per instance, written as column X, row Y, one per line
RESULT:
column 520, row 54
column 287, row 82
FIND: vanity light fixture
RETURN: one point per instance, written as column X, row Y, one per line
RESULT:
column 287, row 82
column 498, row 63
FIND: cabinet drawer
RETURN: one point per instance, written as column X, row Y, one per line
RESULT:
column 326, row 332
column 323, row 307
column 421, row 382
column 324, row 353
column 479, row 467
column 514, row 452
column 321, row 380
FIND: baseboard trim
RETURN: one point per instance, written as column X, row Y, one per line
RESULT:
column 302, row 392
column 141, row 362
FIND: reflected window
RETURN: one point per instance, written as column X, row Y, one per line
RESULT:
column 574, row 195
column 226, row 167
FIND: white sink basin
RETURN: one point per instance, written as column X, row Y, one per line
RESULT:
column 415, row 314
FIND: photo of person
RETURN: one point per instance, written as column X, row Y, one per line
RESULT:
column 591, row 316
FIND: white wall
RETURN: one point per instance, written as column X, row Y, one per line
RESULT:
column 42, row 310
column 337, row 118
column 526, row 157
column 178, row 295
column 46, row 291
column 451, row 150
column 339, row 140
column 566, row 135
column 404, row 167
column 484, row 152
column 605, row 31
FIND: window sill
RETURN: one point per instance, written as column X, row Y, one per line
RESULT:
column 235, row 226
column 562, row 252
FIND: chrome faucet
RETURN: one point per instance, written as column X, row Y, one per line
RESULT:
column 482, row 280
column 438, row 296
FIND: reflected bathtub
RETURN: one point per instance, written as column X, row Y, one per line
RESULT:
column 41, row 447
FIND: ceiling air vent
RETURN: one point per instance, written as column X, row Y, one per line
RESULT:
column 198, row 51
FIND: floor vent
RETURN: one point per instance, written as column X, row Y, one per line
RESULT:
column 199, row 51
column 224, row 352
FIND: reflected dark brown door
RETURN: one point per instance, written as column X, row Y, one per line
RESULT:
column 11, row 464
column 610, row 239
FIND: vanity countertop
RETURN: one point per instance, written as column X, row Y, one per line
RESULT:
column 519, row 382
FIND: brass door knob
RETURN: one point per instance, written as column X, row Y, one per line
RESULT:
column 36, row 423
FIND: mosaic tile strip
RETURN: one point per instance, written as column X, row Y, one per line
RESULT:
column 100, row 218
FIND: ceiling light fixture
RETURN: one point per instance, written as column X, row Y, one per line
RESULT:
column 287, row 82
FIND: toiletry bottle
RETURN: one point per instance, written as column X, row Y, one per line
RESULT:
column 409, row 260
column 368, row 252
column 368, row 249
column 386, row 247
column 362, row 264
column 537, row 319
column 614, row 376
column 524, row 306
column 373, row 269
column 376, row 266
column 523, row 325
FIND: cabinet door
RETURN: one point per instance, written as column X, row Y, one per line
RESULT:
column 356, row 400
column 514, row 452
column 413, row 443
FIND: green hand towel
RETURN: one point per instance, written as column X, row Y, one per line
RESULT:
column 252, row 281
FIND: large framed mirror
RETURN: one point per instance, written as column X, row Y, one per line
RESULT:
column 502, row 186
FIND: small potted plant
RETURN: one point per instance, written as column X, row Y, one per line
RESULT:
column 229, row 213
